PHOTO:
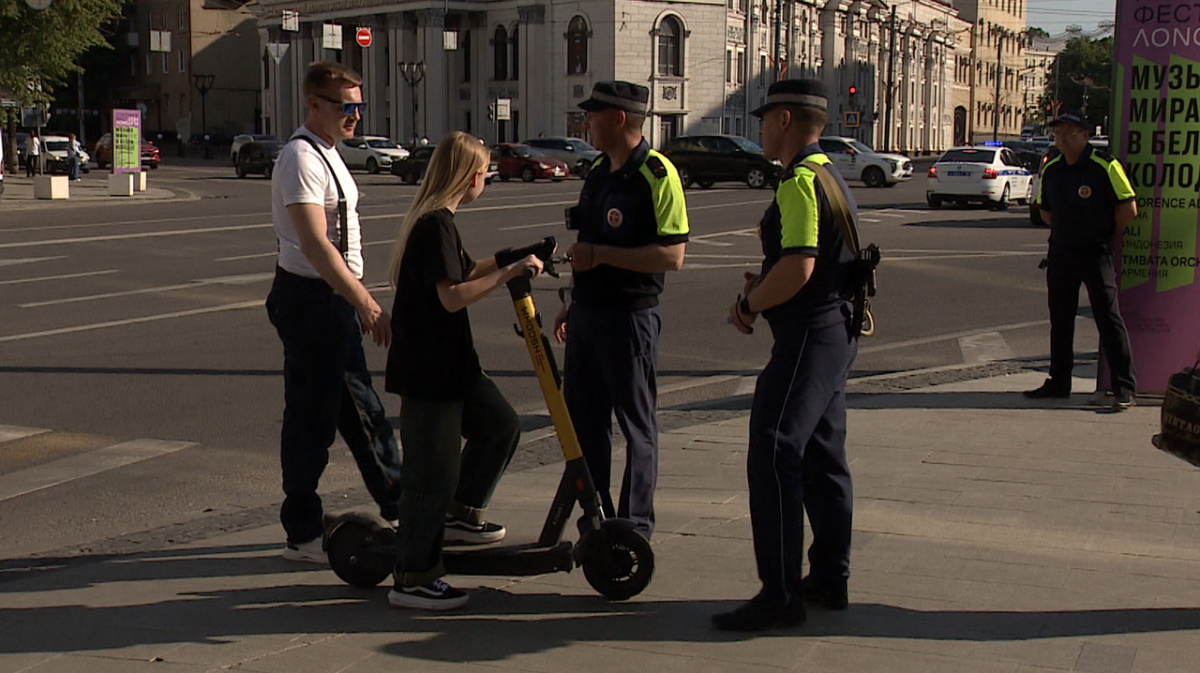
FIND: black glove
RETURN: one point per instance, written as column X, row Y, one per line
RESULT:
column 543, row 249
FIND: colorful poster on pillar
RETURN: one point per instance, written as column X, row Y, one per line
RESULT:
column 1157, row 118
column 127, row 141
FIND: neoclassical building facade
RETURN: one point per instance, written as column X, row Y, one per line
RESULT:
column 707, row 63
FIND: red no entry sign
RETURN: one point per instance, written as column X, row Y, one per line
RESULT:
column 363, row 36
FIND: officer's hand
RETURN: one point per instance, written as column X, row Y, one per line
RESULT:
column 582, row 256
column 752, row 281
column 740, row 320
column 560, row 324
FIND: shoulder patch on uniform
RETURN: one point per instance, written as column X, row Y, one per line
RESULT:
column 657, row 167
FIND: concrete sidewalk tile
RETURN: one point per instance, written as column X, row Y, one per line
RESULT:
column 1048, row 654
column 1103, row 658
column 1008, row 574
column 75, row 663
column 324, row 655
column 876, row 583
column 837, row 656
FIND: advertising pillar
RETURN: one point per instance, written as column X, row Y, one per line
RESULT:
column 1157, row 119
column 127, row 141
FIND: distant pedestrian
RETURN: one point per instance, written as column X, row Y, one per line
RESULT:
column 1086, row 198
column 320, row 308
column 73, row 153
column 796, row 462
column 445, row 486
column 33, row 154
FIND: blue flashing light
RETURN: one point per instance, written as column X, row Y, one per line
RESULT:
column 993, row 143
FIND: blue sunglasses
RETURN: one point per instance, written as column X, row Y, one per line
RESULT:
column 348, row 109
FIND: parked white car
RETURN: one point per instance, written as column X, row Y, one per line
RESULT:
column 242, row 138
column 374, row 153
column 856, row 161
column 54, row 155
column 982, row 174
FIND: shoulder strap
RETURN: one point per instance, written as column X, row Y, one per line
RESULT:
column 837, row 203
column 343, row 213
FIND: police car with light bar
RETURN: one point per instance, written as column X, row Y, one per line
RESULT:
column 987, row 174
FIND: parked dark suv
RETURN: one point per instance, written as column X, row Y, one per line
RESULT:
column 720, row 158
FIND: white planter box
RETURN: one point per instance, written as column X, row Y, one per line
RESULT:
column 120, row 185
column 51, row 187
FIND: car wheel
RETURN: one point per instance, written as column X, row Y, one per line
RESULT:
column 873, row 177
column 1002, row 202
column 934, row 201
column 241, row 171
column 372, row 165
column 268, row 171
column 556, row 179
column 527, row 174
column 582, row 168
column 234, row 158
column 704, row 184
column 505, row 178
column 685, row 178
column 410, row 178
column 756, row 178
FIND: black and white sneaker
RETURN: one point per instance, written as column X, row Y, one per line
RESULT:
column 437, row 595
column 464, row 532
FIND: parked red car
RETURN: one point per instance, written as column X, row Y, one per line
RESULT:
column 529, row 164
column 102, row 153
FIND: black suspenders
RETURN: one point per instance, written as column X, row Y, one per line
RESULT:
column 343, row 214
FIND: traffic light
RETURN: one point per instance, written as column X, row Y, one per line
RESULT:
column 853, row 89
column 491, row 112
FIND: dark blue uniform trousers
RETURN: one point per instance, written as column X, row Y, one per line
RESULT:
column 611, row 367
column 326, row 389
column 797, row 459
column 1064, row 274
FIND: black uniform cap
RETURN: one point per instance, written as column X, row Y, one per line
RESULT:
column 625, row 96
column 810, row 92
column 1071, row 117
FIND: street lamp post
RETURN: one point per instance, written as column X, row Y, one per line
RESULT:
column 204, row 84
column 413, row 72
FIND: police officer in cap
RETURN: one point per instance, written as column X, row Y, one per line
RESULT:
column 1087, row 200
column 633, row 227
column 797, row 454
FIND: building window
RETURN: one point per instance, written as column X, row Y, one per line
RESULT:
column 668, row 128
column 166, row 62
column 500, row 54
column 181, row 19
column 150, row 64
column 670, row 52
column 466, row 52
column 728, row 66
column 182, row 63
column 577, row 46
column 741, row 67
column 762, row 69
column 166, row 103
column 133, row 66
column 516, row 56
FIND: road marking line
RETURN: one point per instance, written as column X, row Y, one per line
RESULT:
column 59, row 277
column 241, row 257
column 257, row 303
column 245, row 279
column 965, row 255
column 531, row 226
column 124, row 237
column 888, row 213
column 952, row 335
column 868, row 219
column 10, row 432
column 85, row 465
column 29, row 260
column 985, row 347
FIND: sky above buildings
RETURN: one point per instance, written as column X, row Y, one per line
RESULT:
column 1054, row 16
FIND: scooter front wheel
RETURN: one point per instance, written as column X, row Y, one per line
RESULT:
column 361, row 553
column 620, row 567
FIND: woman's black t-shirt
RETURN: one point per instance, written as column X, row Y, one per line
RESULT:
column 432, row 353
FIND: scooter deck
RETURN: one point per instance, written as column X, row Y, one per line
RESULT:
column 514, row 560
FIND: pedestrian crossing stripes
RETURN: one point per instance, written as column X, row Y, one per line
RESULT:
column 101, row 456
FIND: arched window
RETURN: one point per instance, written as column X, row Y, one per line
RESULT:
column 516, row 54
column 500, row 49
column 577, row 46
column 670, row 43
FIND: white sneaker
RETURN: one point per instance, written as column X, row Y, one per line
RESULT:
column 307, row 552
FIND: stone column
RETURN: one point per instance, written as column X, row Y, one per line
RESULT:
column 536, row 63
column 434, row 90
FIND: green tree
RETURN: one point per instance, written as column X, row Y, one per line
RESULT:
column 1081, row 77
column 38, row 48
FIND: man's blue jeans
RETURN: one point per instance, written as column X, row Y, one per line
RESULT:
column 327, row 389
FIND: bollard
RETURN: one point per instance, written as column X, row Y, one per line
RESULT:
column 51, row 187
column 120, row 184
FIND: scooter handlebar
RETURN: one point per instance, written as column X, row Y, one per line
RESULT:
column 543, row 250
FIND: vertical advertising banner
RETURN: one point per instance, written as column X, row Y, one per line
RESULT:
column 127, row 141
column 1157, row 118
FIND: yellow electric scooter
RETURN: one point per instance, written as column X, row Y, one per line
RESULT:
column 616, row 560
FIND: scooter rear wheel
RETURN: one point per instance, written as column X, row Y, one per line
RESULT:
column 622, row 568
column 361, row 554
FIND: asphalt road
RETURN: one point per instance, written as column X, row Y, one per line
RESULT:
column 145, row 321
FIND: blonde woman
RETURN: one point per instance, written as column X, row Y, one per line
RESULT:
column 446, row 397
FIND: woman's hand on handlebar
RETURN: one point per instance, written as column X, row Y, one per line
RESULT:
column 519, row 267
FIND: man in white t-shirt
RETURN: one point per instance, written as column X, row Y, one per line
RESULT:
column 320, row 308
